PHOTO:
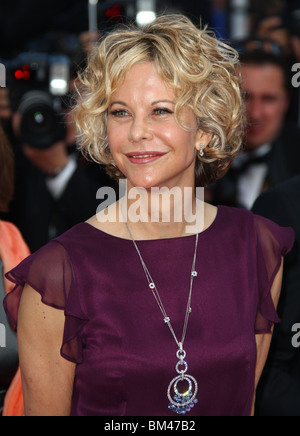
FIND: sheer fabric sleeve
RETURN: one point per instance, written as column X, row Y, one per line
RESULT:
column 49, row 271
column 272, row 243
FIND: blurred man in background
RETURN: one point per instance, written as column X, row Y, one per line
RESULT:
column 278, row 393
column 272, row 152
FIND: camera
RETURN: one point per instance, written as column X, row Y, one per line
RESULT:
column 39, row 85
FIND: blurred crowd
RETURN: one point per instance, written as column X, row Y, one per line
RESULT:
column 50, row 188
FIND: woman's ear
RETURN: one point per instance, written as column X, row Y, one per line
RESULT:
column 202, row 141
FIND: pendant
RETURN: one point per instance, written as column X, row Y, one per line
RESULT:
column 183, row 389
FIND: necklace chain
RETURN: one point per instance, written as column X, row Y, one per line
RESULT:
column 180, row 402
column 156, row 295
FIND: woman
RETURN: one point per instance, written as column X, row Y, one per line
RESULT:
column 12, row 250
column 155, row 320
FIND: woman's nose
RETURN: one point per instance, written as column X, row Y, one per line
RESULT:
column 140, row 130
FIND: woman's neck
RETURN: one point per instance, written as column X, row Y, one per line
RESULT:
column 162, row 212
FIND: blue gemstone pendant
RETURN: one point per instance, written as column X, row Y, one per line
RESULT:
column 182, row 403
column 183, row 389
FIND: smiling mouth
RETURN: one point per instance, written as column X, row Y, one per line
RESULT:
column 144, row 158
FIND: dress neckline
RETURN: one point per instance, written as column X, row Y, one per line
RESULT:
column 203, row 234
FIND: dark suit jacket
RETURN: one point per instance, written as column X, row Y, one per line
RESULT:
column 283, row 163
column 34, row 211
column 279, row 389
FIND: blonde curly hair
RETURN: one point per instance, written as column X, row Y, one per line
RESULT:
column 200, row 69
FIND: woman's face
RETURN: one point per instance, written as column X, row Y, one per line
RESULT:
column 147, row 144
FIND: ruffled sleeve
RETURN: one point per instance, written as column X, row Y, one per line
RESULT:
column 49, row 271
column 272, row 243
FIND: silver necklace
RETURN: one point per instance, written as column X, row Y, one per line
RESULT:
column 183, row 389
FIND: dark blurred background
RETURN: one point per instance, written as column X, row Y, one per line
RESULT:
column 24, row 20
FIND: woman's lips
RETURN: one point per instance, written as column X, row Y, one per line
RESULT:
column 142, row 158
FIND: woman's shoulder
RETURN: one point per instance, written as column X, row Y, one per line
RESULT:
column 84, row 234
column 236, row 217
column 75, row 235
column 241, row 216
column 263, row 230
column 80, row 240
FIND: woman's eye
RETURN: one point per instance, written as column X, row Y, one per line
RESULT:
column 162, row 111
column 119, row 113
column 122, row 113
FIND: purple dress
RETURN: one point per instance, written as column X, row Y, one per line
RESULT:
column 115, row 332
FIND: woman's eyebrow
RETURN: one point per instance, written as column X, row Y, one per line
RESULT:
column 163, row 101
column 122, row 103
column 118, row 102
